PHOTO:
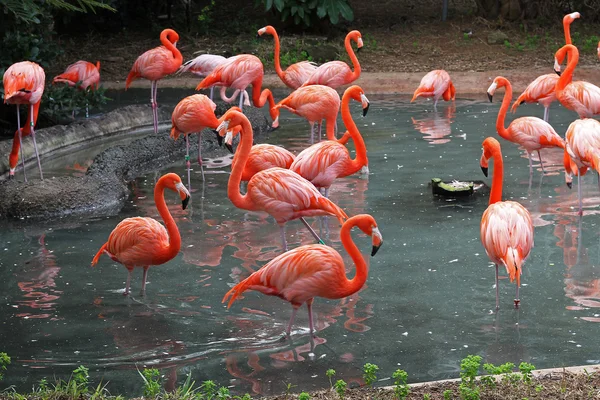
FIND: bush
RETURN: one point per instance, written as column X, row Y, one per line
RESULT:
column 306, row 12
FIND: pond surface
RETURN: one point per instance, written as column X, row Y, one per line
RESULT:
column 427, row 304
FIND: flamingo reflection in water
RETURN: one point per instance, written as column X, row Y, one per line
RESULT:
column 436, row 125
column 38, row 285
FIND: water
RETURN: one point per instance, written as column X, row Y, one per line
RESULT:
column 427, row 304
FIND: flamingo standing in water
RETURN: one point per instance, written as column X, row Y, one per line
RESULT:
column 543, row 89
column 155, row 64
column 506, row 226
column 283, row 194
column 436, row 84
column 583, row 148
column 24, row 84
column 314, row 270
column 314, row 103
column 142, row 241
column 337, row 73
column 294, row 75
column 238, row 72
column 83, row 72
column 530, row 132
column 579, row 96
column 263, row 156
column 324, row 162
column 202, row 66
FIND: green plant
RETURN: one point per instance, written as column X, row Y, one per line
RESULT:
column 330, row 373
column 28, row 11
column 491, row 369
column 151, row 377
column 466, row 36
column 426, row 396
column 223, row 393
column 525, row 369
column 539, row 388
column 303, row 396
column 447, row 394
column 205, row 18
column 244, row 397
column 469, row 367
column 62, row 102
column 340, row 388
column 532, row 41
column 401, row 388
column 590, row 44
column 288, row 389
column 209, row 389
column 370, row 373
column 4, row 362
column 306, row 12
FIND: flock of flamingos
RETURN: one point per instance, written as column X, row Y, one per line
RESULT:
column 292, row 187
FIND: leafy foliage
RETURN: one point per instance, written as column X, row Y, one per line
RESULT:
column 151, row 379
column 401, row 388
column 370, row 373
column 61, row 102
column 340, row 388
column 306, row 12
column 4, row 362
column 28, row 11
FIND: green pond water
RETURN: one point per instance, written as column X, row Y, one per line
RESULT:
column 428, row 302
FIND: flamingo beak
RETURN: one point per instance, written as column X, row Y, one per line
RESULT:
column 491, row 90
column 485, row 171
column 223, row 126
column 556, row 67
column 183, row 192
column 570, row 185
column 365, row 104
column 219, row 138
column 377, row 240
column 490, row 97
column 228, row 141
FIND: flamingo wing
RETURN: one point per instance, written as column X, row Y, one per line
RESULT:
column 265, row 156
column 313, row 102
column 541, row 90
column 583, row 139
column 534, row 133
column 582, row 97
column 239, row 71
column 136, row 241
column 297, row 74
column 433, row 84
column 202, row 65
column 154, row 64
column 24, row 83
column 322, row 163
column 332, row 74
column 192, row 114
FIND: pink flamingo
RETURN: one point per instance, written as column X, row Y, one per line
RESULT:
column 326, row 161
column 264, row 156
column 143, row 242
column 506, row 226
column 303, row 273
column 543, row 89
column 294, row 75
column 24, row 84
column 283, row 194
column 579, row 96
column 238, row 72
column 530, row 132
column 155, row 64
column 436, row 84
column 83, row 72
column 314, row 103
column 337, row 73
column 583, row 147
column 202, row 66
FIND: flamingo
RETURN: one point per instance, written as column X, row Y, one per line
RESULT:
column 314, row 103
column 436, row 84
column 583, row 148
column 82, row 74
column 155, row 64
column 337, row 73
column 303, row 273
column 530, row 132
column 24, row 84
column 326, row 161
column 193, row 114
column 294, row 75
column 282, row 193
column 264, row 156
column 506, row 226
column 238, row 72
column 202, row 66
column 579, row 96
column 142, row 241
column 542, row 89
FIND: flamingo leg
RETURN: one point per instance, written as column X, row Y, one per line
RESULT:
column 212, row 90
column 320, row 125
column 283, row 240
column 497, row 290
column 541, row 163
column 144, row 277
column 21, row 141
column 153, row 90
column 37, row 155
column 435, row 104
column 599, row 180
column 327, row 192
column 311, row 324
column 242, row 101
column 312, row 133
column 129, row 272
column 530, row 164
column 546, row 113
column 87, row 110
column 288, row 331
column 579, row 193
column 517, row 301
column 200, row 154
column 187, row 159
column 319, row 240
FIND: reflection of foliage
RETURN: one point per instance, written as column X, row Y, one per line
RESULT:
column 307, row 11
column 61, row 101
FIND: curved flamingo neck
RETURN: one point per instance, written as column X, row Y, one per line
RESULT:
column 359, row 143
column 502, row 131
column 351, row 286
column 567, row 76
column 239, row 162
column 174, row 237
column 278, row 69
column 171, row 47
column 496, row 192
column 567, row 28
column 260, row 98
column 353, row 58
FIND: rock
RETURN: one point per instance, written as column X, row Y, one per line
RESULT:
column 497, row 37
column 322, row 53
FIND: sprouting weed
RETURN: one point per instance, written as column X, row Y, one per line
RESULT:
column 370, row 373
column 401, row 388
column 340, row 387
column 303, row 396
column 447, row 394
column 4, row 362
column 209, row 389
column 151, row 379
column 330, row 373
column 525, row 369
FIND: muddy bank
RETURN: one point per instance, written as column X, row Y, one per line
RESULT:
column 103, row 189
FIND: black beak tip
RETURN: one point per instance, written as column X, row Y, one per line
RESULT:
column 557, row 72
column 258, row 35
column 485, row 171
column 570, row 185
column 490, row 97
column 229, row 147
column 358, row 49
column 375, row 250
column 184, row 202
column 219, row 138
column 366, row 110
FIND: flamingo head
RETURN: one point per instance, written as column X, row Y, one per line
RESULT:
column 490, row 147
column 230, row 123
column 368, row 225
column 170, row 35
column 571, row 17
column 173, row 182
column 557, row 67
column 267, row 29
column 356, row 93
column 357, row 37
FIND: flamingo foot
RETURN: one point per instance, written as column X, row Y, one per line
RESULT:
column 517, row 302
